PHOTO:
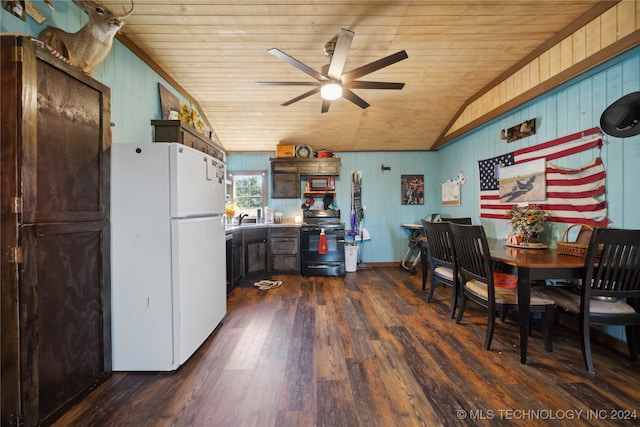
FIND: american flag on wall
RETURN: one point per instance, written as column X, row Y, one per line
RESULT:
column 574, row 196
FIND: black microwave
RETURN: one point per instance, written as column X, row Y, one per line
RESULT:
column 321, row 183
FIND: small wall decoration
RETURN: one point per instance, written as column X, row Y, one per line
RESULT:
column 523, row 182
column 16, row 8
column 168, row 102
column 451, row 193
column 35, row 13
column 522, row 130
column 451, row 190
column 412, row 187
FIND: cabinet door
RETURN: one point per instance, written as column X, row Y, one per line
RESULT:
column 289, row 166
column 65, row 321
column 238, row 262
column 255, row 257
column 309, row 167
column 284, row 254
column 285, row 186
column 329, row 167
column 285, row 264
column 65, row 167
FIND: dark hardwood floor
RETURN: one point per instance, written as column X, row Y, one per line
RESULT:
column 367, row 350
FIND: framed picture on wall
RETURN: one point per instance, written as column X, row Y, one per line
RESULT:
column 168, row 102
column 412, row 188
column 16, row 8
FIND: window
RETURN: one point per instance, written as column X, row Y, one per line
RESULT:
column 248, row 191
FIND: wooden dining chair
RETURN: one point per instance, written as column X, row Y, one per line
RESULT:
column 424, row 249
column 610, row 290
column 478, row 282
column 440, row 256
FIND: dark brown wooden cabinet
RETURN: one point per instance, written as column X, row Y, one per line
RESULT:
column 178, row 131
column 255, row 251
column 55, row 295
column 238, row 252
column 286, row 174
column 284, row 245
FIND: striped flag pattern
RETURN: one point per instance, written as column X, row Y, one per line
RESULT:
column 574, row 196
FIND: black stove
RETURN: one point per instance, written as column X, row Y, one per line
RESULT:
column 312, row 262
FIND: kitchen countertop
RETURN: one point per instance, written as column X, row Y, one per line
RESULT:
column 233, row 227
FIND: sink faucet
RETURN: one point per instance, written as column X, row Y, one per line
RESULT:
column 241, row 217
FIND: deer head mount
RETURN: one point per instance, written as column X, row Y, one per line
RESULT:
column 92, row 43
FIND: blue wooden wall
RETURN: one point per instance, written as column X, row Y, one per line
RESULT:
column 570, row 108
column 573, row 107
column 135, row 97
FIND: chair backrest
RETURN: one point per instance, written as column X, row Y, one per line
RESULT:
column 613, row 264
column 464, row 220
column 471, row 254
column 439, row 242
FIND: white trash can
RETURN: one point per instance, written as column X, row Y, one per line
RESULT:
column 350, row 258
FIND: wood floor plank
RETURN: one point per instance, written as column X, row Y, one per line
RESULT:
column 357, row 330
column 330, row 359
column 258, row 403
column 372, row 405
column 248, row 350
column 300, row 387
column 366, row 350
column 411, row 406
column 335, row 404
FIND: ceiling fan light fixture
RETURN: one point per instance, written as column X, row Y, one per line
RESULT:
column 331, row 90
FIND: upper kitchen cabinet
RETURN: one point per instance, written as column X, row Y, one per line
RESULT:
column 178, row 131
column 286, row 174
column 55, row 265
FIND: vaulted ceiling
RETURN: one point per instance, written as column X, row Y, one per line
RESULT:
column 216, row 51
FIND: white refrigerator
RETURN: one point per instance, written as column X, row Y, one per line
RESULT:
column 168, row 268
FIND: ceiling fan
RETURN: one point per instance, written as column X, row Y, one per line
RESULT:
column 332, row 83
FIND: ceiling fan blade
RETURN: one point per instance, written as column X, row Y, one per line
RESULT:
column 303, row 96
column 359, row 84
column 374, row 66
column 299, row 65
column 347, row 94
column 340, row 52
column 288, row 83
column 326, row 103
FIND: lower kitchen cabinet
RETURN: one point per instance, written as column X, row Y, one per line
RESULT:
column 234, row 252
column 237, row 255
column 284, row 255
column 255, row 251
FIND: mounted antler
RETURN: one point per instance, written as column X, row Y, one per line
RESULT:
column 89, row 46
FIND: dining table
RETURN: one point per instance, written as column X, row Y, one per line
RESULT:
column 530, row 264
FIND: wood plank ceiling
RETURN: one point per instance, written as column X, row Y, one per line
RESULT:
column 217, row 50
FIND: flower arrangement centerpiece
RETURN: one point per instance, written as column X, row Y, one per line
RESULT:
column 230, row 211
column 191, row 117
column 527, row 223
